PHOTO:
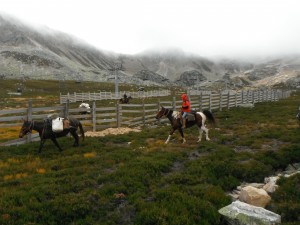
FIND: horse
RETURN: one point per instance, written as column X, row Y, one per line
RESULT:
column 125, row 100
column 298, row 115
column 44, row 128
column 198, row 118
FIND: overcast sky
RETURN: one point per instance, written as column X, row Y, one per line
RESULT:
column 205, row 27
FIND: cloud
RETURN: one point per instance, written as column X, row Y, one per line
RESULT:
column 205, row 27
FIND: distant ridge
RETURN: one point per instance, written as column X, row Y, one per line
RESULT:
column 41, row 53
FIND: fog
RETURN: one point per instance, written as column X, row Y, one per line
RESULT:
column 209, row 28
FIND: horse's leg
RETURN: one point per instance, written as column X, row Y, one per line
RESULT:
column 56, row 143
column 41, row 145
column 75, row 136
column 169, row 137
column 206, row 132
column 182, row 135
column 200, row 134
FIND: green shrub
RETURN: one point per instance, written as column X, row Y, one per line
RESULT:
column 286, row 199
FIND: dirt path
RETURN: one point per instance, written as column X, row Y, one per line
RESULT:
column 111, row 131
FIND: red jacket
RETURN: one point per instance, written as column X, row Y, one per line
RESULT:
column 186, row 105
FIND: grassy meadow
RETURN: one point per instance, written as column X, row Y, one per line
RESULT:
column 136, row 179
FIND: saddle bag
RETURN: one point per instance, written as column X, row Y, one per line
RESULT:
column 57, row 125
column 66, row 123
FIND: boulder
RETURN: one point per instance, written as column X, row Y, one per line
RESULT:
column 254, row 196
column 240, row 213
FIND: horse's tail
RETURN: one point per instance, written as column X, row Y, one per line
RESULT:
column 209, row 116
column 81, row 130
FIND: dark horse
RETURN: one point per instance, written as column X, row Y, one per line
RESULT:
column 198, row 118
column 44, row 128
column 125, row 100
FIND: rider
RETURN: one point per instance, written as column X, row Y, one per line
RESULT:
column 185, row 108
column 125, row 96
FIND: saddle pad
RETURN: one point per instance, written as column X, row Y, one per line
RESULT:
column 190, row 117
column 57, row 124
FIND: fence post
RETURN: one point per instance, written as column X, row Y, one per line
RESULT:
column 210, row 102
column 228, row 98
column 66, row 109
column 144, row 113
column 29, row 118
column 200, row 101
column 118, row 114
column 220, row 101
column 174, row 103
column 242, row 97
column 158, row 108
column 94, row 119
column 236, row 99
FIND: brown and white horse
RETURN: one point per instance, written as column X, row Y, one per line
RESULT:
column 198, row 118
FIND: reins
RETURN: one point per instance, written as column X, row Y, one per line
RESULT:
column 31, row 126
column 166, row 112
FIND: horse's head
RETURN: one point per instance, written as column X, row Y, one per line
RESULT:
column 26, row 128
column 161, row 113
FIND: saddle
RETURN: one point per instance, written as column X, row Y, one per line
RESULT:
column 191, row 115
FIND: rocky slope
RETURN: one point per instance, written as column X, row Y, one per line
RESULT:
column 31, row 53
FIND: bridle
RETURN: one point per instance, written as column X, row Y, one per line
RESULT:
column 29, row 129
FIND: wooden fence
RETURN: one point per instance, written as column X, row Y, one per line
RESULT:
column 133, row 114
column 103, row 95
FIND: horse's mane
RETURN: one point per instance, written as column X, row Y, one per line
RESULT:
column 175, row 114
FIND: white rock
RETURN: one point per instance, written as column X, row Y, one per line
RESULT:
column 240, row 213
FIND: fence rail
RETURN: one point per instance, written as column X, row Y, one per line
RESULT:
column 103, row 95
column 134, row 114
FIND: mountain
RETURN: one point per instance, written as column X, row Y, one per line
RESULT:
column 40, row 53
